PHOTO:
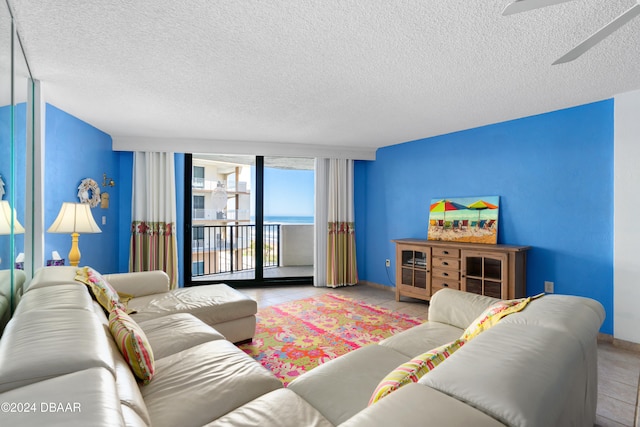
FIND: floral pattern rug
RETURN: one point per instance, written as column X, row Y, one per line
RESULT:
column 295, row 337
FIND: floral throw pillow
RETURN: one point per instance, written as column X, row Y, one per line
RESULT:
column 492, row 315
column 133, row 344
column 106, row 296
column 102, row 291
column 413, row 370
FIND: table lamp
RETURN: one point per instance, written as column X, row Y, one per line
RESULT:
column 74, row 218
column 6, row 214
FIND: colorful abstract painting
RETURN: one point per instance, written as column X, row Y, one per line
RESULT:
column 464, row 219
column 295, row 337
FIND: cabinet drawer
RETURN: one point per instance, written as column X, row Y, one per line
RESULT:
column 445, row 274
column 450, row 263
column 437, row 284
column 445, row 252
column 410, row 291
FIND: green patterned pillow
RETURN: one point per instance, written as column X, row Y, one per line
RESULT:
column 493, row 314
column 413, row 370
column 133, row 344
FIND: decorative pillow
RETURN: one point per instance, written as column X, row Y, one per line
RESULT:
column 492, row 315
column 103, row 292
column 414, row 369
column 133, row 344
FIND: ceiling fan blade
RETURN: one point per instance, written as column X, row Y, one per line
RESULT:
column 600, row 35
column 525, row 5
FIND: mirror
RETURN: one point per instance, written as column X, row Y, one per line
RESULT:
column 14, row 80
column 6, row 162
column 21, row 80
column 22, row 107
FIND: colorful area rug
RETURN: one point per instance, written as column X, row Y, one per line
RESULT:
column 295, row 337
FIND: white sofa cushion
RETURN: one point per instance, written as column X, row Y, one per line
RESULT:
column 580, row 317
column 342, row 387
column 457, row 308
column 418, row 405
column 506, row 373
column 237, row 330
column 49, row 343
column 422, row 338
column 88, row 398
column 55, row 298
column 139, row 283
column 5, row 283
column 53, row 276
column 200, row 384
column 282, row 408
column 132, row 418
column 171, row 334
column 127, row 386
column 5, row 312
column 210, row 303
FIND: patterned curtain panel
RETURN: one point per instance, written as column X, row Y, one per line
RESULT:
column 335, row 261
column 341, row 254
column 153, row 239
column 153, row 246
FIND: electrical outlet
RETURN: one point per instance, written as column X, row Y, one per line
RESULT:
column 387, row 263
column 548, row 287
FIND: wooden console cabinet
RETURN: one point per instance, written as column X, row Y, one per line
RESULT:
column 423, row 267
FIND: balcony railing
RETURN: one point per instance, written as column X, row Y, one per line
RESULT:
column 208, row 184
column 197, row 182
column 230, row 214
column 231, row 248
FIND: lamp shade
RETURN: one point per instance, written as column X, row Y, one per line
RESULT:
column 74, row 218
column 5, row 219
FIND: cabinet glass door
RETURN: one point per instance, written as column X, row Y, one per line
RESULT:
column 485, row 274
column 414, row 268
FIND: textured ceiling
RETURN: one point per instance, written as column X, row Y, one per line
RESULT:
column 359, row 73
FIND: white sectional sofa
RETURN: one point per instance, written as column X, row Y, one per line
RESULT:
column 230, row 312
column 537, row 367
column 5, row 293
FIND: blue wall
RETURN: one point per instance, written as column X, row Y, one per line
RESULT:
column 553, row 173
column 76, row 150
column 18, row 169
column 126, row 194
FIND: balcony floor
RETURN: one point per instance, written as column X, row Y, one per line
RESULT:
column 269, row 273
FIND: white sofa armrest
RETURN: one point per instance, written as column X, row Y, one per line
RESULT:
column 457, row 308
column 140, row 283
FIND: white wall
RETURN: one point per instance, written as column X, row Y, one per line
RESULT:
column 296, row 245
column 626, row 260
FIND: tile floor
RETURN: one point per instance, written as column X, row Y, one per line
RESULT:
column 269, row 273
column 618, row 369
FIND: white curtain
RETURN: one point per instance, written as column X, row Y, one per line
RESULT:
column 153, row 228
column 335, row 248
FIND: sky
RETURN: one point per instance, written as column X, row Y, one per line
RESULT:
column 288, row 192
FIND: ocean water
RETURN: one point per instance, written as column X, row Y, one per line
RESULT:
column 472, row 215
column 287, row 220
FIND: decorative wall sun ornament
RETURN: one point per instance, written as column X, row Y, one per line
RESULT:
column 89, row 192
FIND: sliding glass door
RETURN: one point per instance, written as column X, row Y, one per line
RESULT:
column 288, row 216
column 251, row 219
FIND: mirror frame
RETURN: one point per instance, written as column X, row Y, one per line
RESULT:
column 20, row 149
